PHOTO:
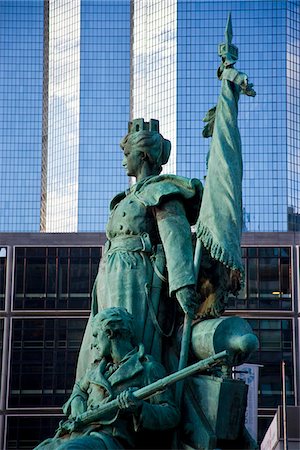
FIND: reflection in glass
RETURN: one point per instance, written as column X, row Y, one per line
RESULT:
column 63, row 116
column 21, row 93
column 161, row 72
column 154, row 65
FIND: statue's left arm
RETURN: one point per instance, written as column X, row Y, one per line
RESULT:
column 175, row 233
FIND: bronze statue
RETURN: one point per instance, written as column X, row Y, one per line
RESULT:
column 148, row 230
column 120, row 366
column 150, row 260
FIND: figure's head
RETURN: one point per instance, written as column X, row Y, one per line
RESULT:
column 112, row 324
column 144, row 145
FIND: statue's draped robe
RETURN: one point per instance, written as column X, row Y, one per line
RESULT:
column 148, row 224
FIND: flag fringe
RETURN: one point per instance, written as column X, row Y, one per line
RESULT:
column 217, row 251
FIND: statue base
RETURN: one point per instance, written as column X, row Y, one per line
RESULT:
column 214, row 412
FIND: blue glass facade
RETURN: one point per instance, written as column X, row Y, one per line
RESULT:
column 260, row 33
column 21, row 93
column 45, row 287
column 104, row 108
column 266, row 33
column 154, row 63
column 63, row 108
column 293, row 111
column 86, row 76
column 88, row 110
column 65, row 89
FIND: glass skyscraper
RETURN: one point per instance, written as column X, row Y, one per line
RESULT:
column 88, row 108
column 21, row 93
column 174, row 56
column 60, row 208
column 68, row 86
column 65, row 89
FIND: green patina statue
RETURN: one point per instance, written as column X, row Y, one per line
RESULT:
column 119, row 367
column 148, row 230
column 151, row 264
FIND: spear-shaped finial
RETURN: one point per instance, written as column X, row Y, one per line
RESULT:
column 228, row 30
column 228, row 51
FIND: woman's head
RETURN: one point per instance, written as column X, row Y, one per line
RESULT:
column 154, row 149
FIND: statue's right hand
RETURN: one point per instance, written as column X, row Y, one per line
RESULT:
column 128, row 402
column 78, row 406
column 65, row 427
column 188, row 300
column 69, row 426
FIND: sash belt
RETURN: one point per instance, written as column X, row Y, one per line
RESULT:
column 129, row 243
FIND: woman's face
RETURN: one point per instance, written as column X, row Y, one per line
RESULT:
column 132, row 161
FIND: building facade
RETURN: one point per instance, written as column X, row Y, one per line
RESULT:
column 86, row 111
column 45, row 293
column 174, row 63
column 65, row 90
column 21, row 92
column 69, row 85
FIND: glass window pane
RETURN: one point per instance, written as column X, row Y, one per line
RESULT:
column 267, row 280
column 276, row 345
column 269, row 277
column 62, row 279
column 43, row 361
column 35, row 276
column 28, row 432
column 252, row 278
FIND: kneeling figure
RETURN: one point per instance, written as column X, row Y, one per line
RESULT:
column 120, row 366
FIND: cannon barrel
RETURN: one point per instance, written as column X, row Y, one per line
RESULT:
column 232, row 334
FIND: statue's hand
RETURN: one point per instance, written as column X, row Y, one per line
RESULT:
column 78, row 406
column 128, row 402
column 65, row 427
column 188, row 300
column 69, row 426
column 247, row 89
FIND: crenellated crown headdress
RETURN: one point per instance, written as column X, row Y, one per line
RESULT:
column 140, row 125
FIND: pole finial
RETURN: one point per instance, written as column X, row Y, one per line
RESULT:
column 228, row 52
column 228, row 30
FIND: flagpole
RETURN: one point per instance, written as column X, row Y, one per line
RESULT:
column 187, row 326
column 285, row 440
column 197, row 259
column 219, row 224
column 184, row 352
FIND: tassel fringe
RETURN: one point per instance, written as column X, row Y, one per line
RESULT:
column 217, row 251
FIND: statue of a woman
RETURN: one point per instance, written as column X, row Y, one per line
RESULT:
column 149, row 241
